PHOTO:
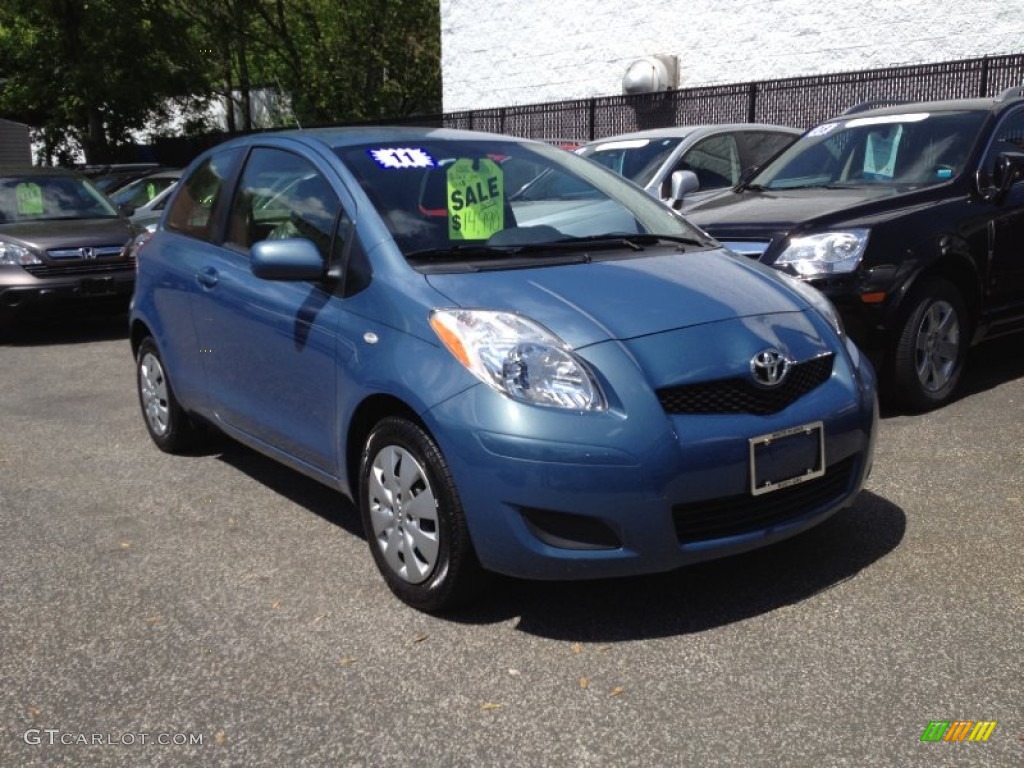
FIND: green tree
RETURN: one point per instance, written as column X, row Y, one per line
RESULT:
column 89, row 72
column 334, row 61
column 356, row 60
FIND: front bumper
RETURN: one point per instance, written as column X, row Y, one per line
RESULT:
column 563, row 495
column 22, row 292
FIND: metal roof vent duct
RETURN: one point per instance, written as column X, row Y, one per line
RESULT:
column 651, row 74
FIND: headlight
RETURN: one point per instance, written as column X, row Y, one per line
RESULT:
column 518, row 357
column 826, row 253
column 17, row 255
column 818, row 300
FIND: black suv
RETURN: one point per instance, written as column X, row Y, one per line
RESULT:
column 910, row 218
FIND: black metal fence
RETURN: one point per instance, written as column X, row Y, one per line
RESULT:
column 797, row 101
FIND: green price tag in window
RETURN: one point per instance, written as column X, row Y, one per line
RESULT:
column 476, row 199
column 150, row 191
column 29, row 199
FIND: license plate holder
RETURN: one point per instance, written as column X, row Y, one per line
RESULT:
column 787, row 457
column 97, row 286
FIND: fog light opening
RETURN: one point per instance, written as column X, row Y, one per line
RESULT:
column 568, row 531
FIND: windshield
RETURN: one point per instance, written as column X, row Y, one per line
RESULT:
column 636, row 159
column 37, row 198
column 141, row 191
column 457, row 199
column 914, row 149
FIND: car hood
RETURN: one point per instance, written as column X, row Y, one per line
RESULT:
column 777, row 211
column 625, row 298
column 68, row 233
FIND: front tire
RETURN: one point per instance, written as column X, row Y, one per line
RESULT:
column 931, row 347
column 168, row 425
column 414, row 520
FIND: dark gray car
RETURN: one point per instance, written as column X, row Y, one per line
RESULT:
column 61, row 241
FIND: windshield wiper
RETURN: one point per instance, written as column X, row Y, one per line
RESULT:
column 633, row 241
column 578, row 246
column 458, row 250
column 477, row 256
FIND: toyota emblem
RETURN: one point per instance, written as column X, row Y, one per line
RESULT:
column 769, row 367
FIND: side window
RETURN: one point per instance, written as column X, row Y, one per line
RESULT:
column 282, row 195
column 715, row 160
column 192, row 211
column 762, row 146
column 1008, row 137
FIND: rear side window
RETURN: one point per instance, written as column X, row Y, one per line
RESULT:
column 282, row 195
column 193, row 207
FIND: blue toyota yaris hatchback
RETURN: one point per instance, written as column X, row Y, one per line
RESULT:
column 579, row 386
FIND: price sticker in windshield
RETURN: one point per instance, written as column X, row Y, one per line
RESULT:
column 29, row 199
column 476, row 199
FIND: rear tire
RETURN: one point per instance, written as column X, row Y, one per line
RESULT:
column 168, row 425
column 931, row 347
column 414, row 520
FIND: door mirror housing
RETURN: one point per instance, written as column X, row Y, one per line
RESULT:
column 683, row 182
column 1007, row 171
column 293, row 258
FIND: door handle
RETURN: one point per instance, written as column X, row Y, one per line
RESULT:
column 207, row 277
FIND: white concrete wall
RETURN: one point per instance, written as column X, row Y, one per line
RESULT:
column 499, row 53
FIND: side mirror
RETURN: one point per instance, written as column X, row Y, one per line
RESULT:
column 1007, row 171
column 292, row 259
column 126, row 210
column 683, row 182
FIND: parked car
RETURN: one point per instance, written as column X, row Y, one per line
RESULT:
column 147, row 196
column 61, row 241
column 111, row 177
column 548, row 388
column 910, row 218
column 704, row 158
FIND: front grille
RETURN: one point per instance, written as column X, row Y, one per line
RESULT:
column 81, row 268
column 736, row 515
column 99, row 252
column 742, row 396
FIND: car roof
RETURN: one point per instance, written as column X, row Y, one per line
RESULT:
column 340, row 138
column 171, row 173
column 682, row 131
column 32, row 170
column 993, row 104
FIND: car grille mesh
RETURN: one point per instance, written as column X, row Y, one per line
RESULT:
column 80, row 268
column 742, row 396
column 736, row 515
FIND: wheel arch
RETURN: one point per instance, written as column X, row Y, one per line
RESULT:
column 368, row 413
column 137, row 333
column 954, row 267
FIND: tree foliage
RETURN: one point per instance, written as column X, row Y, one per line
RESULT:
column 90, row 72
column 363, row 60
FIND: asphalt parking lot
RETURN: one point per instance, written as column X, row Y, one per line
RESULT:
column 218, row 609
